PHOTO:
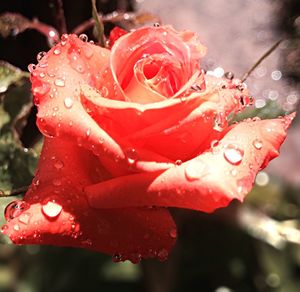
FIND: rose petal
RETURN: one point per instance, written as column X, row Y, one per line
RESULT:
column 64, row 169
column 206, row 182
column 133, row 47
column 176, row 129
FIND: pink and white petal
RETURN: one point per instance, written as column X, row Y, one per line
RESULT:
column 205, row 183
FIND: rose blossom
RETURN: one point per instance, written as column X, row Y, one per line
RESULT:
column 129, row 132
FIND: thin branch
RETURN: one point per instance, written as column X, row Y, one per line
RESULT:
column 60, row 17
column 14, row 192
column 264, row 56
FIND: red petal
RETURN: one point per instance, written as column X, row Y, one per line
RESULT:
column 64, row 169
column 115, row 34
column 206, row 182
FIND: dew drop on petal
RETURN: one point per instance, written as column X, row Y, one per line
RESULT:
column 173, row 233
column 117, row 258
column 51, row 209
column 16, row 227
column 31, row 67
column 233, row 172
column 257, row 144
column 178, row 162
column 162, row 254
column 58, row 164
column 59, row 82
column 68, row 102
column 56, row 182
column 83, row 37
column 195, row 169
column 88, row 132
column 15, row 209
column 56, row 51
column 131, row 156
column 40, row 56
column 24, row 218
column 233, row 154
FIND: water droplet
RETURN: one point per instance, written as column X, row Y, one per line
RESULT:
column 233, row 154
column 173, row 233
column 40, row 56
column 56, row 51
column 178, row 162
column 229, row 75
column 68, row 102
column 131, row 156
column 88, row 132
column 233, row 172
column 58, row 164
column 220, row 122
column 51, row 209
column 83, row 37
column 88, row 52
column 135, row 258
column 31, row 67
column 104, row 91
column 59, row 82
column 41, row 90
column 4, row 228
column 56, row 182
column 257, row 144
column 16, row 227
column 162, row 254
column 24, row 218
column 116, row 258
column 195, row 169
column 42, row 74
column 15, row 209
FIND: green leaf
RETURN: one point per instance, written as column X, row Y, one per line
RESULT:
column 16, row 101
column 17, row 165
column 9, row 75
column 270, row 111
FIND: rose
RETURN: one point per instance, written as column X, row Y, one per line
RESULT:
column 132, row 128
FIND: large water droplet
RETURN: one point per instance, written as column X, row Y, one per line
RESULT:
column 257, row 144
column 195, row 169
column 59, row 82
column 233, row 154
column 68, row 102
column 15, row 209
column 51, row 209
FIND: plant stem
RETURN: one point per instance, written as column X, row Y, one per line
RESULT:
column 264, row 56
column 99, row 27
